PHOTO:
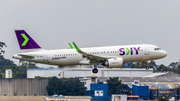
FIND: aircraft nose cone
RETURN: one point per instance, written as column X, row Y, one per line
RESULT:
column 163, row 53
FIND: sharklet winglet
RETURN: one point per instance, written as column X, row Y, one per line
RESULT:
column 71, row 46
column 76, row 47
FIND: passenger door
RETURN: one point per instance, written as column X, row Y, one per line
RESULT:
column 146, row 50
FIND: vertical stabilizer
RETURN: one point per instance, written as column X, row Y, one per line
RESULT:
column 24, row 40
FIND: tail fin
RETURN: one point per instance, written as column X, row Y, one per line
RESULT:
column 25, row 41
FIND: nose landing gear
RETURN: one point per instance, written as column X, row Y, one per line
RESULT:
column 147, row 67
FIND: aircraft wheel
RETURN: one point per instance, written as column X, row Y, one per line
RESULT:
column 95, row 70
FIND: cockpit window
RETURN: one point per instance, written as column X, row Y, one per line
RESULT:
column 157, row 49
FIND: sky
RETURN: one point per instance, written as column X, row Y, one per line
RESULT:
column 92, row 23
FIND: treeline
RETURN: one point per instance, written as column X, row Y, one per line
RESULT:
column 65, row 86
column 174, row 66
column 144, row 64
column 73, row 86
column 115, row 86
column 18, row 71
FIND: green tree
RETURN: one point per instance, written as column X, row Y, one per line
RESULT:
column 21, row 70
column 137, row 64
column 162, row 98
column 142, row 64
column 55, row 85
column 74, row 87
column 151, row 64
column 17, row 71
column 163, row 68
column 68, row 86
column 2, row 44
column 114, row 85
column 5, row 64
column 176, row 70
column 173, row 65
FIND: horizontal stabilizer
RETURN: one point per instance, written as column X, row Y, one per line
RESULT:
column 26, row 55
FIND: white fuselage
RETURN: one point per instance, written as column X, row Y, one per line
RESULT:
column 66, row 57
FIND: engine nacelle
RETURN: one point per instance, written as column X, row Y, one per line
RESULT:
column 114, row 63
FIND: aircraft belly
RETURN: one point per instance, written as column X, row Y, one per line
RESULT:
column 65, row 61
column 132, row 58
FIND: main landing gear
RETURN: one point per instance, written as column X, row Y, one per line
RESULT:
column 95, row 70
column 146, row 66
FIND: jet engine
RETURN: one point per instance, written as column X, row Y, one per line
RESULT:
column 114, row 63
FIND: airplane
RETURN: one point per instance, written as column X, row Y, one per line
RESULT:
column 109, row 56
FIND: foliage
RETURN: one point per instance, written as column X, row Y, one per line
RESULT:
column 162, row 98
column 176, row 70
column 173, row 64
column 144, row 64
column 2, row 44
column 17, row 71
column 21, row 70
column 163, row 68
column 151, row 64
column 42, row 77
column 68, row 86
column 114, row 85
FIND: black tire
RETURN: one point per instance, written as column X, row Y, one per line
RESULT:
column 95, row 70
column 147, row 68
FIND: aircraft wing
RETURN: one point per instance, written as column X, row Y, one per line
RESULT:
column 90, row 56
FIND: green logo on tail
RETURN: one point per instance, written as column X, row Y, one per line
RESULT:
column 26, row 39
